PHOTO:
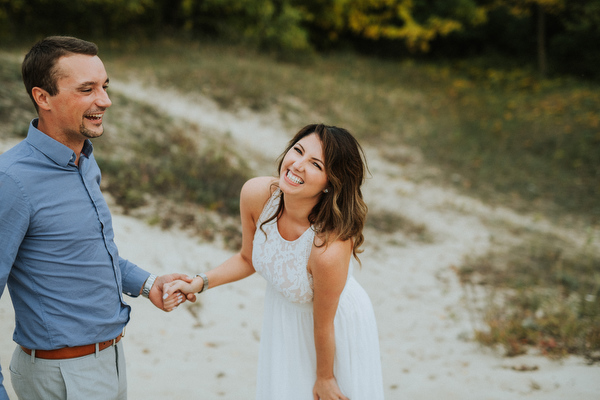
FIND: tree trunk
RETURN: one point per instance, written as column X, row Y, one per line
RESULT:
column 541, row 41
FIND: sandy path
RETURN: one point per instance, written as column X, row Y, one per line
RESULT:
column 210, row 350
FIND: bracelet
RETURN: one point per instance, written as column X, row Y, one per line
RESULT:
column 205, row 279
column 148, row 285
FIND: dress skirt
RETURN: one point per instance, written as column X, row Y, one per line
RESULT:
column 287, row 359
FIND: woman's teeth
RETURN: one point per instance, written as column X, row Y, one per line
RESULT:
column 294, row 179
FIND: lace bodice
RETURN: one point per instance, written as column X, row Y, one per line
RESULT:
column 281, row 262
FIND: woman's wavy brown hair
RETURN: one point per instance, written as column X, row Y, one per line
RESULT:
column 340, row 213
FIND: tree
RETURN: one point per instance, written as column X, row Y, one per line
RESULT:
column 576, row 47
column 415, row 22
column 269, row 24
column 522, row 8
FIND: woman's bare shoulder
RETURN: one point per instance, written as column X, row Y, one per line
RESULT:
column 256, row 192
column 261, row 186
column 335, row 253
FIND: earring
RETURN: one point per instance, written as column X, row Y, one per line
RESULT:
column 326, row 191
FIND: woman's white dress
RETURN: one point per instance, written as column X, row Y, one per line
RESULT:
column 287, row 359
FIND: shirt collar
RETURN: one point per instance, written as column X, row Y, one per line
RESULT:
column 56, row 151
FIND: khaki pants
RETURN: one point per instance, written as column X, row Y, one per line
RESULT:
column 99, row 376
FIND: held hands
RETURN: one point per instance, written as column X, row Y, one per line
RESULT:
column 160, row 284
column 327, row 389
column 176, row 292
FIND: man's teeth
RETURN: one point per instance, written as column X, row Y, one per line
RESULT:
column 94, row 116
column 294, row 179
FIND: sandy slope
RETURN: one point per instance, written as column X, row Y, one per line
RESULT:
column 209, row 350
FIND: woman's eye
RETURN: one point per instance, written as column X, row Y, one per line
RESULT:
column 317, row 165
column 298, row 150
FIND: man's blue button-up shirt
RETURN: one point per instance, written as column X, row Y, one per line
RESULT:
column 57, row 252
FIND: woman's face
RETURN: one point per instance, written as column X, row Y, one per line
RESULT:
column 303, row 168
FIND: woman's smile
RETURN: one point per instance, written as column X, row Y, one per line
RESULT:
column 295, row 179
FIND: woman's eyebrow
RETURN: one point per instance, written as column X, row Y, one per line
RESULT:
column 319, row 160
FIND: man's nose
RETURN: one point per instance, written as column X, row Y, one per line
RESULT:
column 103, row 100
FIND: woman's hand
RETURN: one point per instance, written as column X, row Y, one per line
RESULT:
column 177, row 292
column 327, row 389
column 173, row 301
column 156, row 294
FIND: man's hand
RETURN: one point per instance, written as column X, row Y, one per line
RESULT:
column 156, row 293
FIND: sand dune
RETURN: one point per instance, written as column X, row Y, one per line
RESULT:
column 209, row 349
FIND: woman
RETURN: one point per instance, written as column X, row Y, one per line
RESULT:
column 300, row 231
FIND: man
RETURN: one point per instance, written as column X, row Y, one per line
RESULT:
column 57, row 253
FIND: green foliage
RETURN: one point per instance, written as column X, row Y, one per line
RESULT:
column 83, row 17
column 525, row 7
column 267, row 24
column 416, row 23
column 294, row 28
column 576, row 47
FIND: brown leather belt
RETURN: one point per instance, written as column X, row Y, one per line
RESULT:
column 72, row 352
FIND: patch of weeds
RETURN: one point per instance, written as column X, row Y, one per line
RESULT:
column 16, row 109
column 388, row 223
column 170, row 172
column 402, row 155
column 193, row 219
column 543, row 294
column 177, row 171
column 232, row 236
column 161, row 157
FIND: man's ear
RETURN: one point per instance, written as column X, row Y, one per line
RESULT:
column 41, row 98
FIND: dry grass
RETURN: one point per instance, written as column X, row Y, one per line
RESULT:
column 542, row 293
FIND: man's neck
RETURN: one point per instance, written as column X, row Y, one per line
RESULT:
column 75, row 144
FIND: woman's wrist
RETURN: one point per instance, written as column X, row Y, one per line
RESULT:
column 200, row 282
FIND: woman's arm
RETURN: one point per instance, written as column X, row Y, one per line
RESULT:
column 329, row 268
column 253, row 197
